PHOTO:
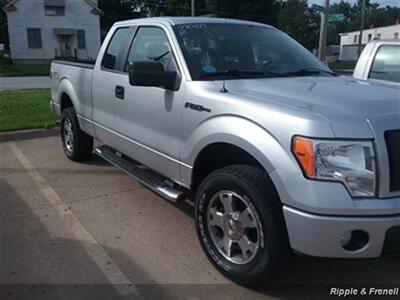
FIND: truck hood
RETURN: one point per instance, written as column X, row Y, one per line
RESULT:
column 343, row 101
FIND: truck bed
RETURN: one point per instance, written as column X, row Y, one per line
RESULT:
column 88, row 64
column 74, row 76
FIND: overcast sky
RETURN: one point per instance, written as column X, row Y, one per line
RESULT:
column 382, row 2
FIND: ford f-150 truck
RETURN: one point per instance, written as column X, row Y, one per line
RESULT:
column 276, row 151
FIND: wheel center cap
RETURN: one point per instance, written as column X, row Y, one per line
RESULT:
column 232, row 227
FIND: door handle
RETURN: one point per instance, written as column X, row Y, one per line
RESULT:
column 120, row 92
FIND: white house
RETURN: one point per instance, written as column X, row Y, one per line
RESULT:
column 40, row 30
column 349, row 40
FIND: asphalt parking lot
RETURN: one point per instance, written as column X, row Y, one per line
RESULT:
column 72, row 230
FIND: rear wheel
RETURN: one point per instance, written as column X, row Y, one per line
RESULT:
column 239, row 223
column 77, row 144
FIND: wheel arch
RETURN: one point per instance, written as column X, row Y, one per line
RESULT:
column 244, row 141
column 67, row 96
column 207, row 161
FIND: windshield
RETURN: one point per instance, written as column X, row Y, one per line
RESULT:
column 231, row 51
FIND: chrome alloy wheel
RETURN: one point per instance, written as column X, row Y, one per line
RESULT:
column 68, row 135
column 233, row 226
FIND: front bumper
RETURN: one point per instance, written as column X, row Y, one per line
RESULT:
column 320, row 235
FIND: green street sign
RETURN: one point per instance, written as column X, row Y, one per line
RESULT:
column 317, row 8
column 336, row 18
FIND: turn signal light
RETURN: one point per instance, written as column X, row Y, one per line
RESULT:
column 304, row 152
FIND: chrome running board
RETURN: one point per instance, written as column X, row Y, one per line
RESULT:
column 147, row 177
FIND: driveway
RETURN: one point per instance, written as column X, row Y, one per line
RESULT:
column 20, row 83
column 89, row 231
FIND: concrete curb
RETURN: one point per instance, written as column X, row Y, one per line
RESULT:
column 28, row 134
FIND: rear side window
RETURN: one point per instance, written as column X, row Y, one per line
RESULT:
column 117, row 42
column 386, row 65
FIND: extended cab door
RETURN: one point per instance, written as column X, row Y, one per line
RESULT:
column 148, row 119
column 107, row 77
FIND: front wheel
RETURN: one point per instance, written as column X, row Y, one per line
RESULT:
column 239, row 223
column 77, row 144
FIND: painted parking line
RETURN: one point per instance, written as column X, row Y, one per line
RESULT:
column 97, row 253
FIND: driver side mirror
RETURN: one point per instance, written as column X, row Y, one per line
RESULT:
column 152, row 73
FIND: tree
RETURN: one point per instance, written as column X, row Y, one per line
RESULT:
column 299, row 22
column 118, row 10
column 375, row 16
column 348, row 24
column 254, row 10
column 3, row 25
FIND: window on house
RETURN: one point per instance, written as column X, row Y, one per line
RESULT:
column 54, row 7
column 355, row 38
column 54, row 11
column 118, row 40
column 396, row 35
column 34, row 38
column 369, row 37
column 378, row 36
column 81, row 39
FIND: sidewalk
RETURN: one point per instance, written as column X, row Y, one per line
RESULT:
column 21, row 83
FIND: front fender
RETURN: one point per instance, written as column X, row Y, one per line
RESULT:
column 239, row 132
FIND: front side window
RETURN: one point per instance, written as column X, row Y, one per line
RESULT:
column 34, row 38
column 117, row 41
column 386, row 65
column 218, row 51
column 151, row 44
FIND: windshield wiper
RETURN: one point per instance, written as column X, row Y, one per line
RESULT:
column 158, row 58
column 237, row 72
column 310, row 71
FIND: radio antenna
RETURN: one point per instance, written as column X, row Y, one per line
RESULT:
column 223, row 89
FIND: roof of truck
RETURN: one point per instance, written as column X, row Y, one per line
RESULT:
column 385, row 41
column 186, row 20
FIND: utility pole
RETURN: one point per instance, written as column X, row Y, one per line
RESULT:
column 193, row 8
column 361, row 28
column 322, row 32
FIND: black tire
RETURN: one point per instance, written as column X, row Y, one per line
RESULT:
column 80, row 147
column 254, row 185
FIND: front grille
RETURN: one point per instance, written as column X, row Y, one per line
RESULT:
column 392, row 138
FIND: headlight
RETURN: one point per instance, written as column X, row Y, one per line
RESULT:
column 350, row 162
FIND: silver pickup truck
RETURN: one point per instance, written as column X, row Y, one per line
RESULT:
column 277, row 152
column 380, row 61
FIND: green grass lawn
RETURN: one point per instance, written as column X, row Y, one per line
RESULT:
column 8, row 70
column 25, row 110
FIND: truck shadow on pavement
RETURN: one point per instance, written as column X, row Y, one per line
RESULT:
column 41, row 259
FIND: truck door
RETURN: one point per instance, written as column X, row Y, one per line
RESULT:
column 106, row 77
column 148, row 119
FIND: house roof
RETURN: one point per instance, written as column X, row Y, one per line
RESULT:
column 95, row 10
column 394, row 26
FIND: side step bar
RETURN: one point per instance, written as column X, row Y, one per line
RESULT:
column 147, row 177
